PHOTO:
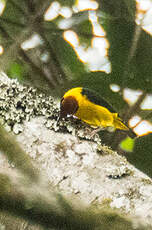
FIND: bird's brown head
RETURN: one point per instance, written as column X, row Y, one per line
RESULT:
column 68, row 106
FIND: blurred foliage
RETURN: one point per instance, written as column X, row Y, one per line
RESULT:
column 62, row 67
column 141, row 157
column 67, row 2
column 67, row 57
column 15, row 71
column 53, row 65
column 84, row 32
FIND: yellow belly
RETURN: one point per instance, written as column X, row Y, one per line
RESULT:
column 94, row 115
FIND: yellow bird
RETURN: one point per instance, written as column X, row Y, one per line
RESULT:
column 89, row 107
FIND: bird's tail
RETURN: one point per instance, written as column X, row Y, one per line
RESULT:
column 118, row 124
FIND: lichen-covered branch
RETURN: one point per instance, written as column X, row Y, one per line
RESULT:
column 10, row 148
column 67, row 165
column 55, row 211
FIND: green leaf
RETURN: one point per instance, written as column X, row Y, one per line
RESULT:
column 127, row 144
column 16, row 71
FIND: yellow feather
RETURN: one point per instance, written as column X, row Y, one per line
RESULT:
column 118, row 124
column 93, row 114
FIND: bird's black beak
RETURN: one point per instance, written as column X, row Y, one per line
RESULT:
column 60, row 116
column 58, row 119
column 62, row 113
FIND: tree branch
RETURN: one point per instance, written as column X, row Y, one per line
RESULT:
column 53, row 211
column 16, row 155
column 135, row 108
column 56, row 69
